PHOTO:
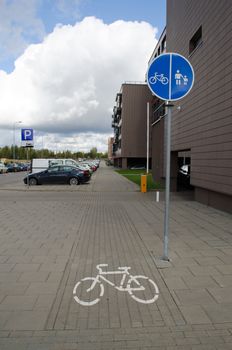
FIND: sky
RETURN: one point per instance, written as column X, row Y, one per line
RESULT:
column 63, row 61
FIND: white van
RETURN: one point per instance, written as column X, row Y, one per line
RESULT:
column 41, row 164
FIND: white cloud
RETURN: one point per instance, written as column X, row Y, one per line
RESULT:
column 18, row 26
column 82, row 142
column 68, row 82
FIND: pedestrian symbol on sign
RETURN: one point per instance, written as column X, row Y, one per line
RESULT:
column 180, row 78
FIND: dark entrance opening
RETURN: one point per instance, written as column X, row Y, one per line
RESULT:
column 184, row 171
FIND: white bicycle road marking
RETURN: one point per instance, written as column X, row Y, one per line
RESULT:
column 123, row 287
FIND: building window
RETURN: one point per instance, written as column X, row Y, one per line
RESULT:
column 163, row 45
column 196, row 40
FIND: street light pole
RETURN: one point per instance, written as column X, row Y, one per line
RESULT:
column 18, row 122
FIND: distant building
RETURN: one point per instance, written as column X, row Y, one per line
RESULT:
column 157, row 122
column 110, row 147
column 129, row 121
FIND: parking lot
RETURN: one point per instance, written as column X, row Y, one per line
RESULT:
column 53, row 239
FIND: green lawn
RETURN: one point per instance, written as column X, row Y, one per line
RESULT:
column 135, row 176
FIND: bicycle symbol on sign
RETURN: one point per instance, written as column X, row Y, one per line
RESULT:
column 158, row 77
column 134, row 286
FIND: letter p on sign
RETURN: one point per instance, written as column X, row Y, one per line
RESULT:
column 27, row 134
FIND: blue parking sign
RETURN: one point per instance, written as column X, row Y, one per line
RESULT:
column 170, row 76
column 26, row 134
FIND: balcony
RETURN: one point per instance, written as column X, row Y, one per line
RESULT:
column 118, row 98
column 118, row 152
column 117, row 110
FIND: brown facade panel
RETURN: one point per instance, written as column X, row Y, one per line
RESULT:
column 225, row 146
column 212, row 178
column 134, row 118
column 212, row 163
column 222, row 171
column 212, row 186
column 203, row 121
column 215, row 140
column 215, row 155
column 214, row 199
column 188, row 141
column 130, row 125
column 204, row 116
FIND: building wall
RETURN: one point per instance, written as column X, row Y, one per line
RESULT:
column 130, row 127
column 204, row 122
column 134, row 120
column 110, row 147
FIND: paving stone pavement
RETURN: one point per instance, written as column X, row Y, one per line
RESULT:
column 52, row 237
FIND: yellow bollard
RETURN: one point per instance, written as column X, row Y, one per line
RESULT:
column 143, row 183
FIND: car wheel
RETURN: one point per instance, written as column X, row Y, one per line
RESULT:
column 73, row 181
column 33, row 182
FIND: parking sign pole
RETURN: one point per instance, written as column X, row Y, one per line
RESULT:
column 167, row 181
column 27, row 170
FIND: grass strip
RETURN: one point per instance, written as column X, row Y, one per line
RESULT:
column 135, row 176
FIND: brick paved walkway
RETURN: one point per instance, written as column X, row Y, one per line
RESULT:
column 51, row 237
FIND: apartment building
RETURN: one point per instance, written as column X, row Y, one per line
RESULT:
column 110, row 147
column 129, row 121
column 201, row 121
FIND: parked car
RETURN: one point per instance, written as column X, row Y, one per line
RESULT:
column 13, row 167
column 23, row 166
column 80, row 167
column 138, row 167
column 60, row 174
column 109, row 162
column 40, row 164
column 3, row 168
column 185, row 170
column 26, row 166
column 86, row 167
column 90, row 165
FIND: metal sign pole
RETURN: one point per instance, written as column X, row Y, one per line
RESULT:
column 170, row 77
column 27, row 170
column 167, row 181
column 147, row 137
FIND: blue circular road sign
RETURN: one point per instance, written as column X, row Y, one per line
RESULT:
column 170, row 76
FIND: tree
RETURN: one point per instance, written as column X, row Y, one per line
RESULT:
column 21, row 153
column 93, row 153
